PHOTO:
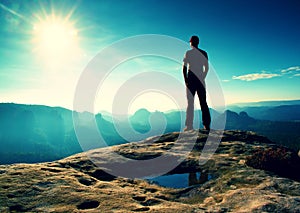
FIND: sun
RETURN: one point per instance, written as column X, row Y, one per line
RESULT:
column 55, row 39
column 54, row 36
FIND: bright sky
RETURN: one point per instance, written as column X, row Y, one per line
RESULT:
column 253, row 46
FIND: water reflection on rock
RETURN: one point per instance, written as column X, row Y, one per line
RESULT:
column 198, row 178
column 181, row 180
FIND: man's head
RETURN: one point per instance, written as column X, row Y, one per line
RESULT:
column 194, row 40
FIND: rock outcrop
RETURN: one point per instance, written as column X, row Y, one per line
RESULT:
column 75, row 184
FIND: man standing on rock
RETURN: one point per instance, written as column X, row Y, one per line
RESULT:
column 195, row 69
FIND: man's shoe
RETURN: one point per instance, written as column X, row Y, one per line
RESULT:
column 206, row 127
column 187, row 128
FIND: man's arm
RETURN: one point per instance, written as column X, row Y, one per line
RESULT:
column 184, row 70
column 206, row 65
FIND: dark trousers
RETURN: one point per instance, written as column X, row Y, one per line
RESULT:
column 195, row 85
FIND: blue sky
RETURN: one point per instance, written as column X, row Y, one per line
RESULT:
column 254, row 46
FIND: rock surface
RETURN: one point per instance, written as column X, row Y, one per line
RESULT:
column 75, row 184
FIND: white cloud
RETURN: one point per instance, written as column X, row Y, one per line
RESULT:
column 296, row 75
column 255, row 76
column 225, row 80
column 291, row 69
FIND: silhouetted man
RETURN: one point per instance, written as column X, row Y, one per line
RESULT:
column 195, row 68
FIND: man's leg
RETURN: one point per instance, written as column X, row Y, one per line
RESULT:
column 201, row 91
column 190, row 94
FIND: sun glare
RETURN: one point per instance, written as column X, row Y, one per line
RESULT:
column 54, row 37
column 56, row 40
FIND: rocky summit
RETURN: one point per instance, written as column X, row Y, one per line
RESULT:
column 247, row 173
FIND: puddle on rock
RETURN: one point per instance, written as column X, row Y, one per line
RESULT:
column 181, row 180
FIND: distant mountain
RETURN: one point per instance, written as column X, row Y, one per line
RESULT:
column 272, row 113
column 32, row 133
column 286, row 133
column 113, row 117
column 238, row 121
column 266, row 103
column 36, row 133
column 140, row 120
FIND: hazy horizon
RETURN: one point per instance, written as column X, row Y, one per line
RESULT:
column 154, row 110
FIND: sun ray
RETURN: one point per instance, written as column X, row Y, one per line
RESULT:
column 14, row 13
column 70, row 13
